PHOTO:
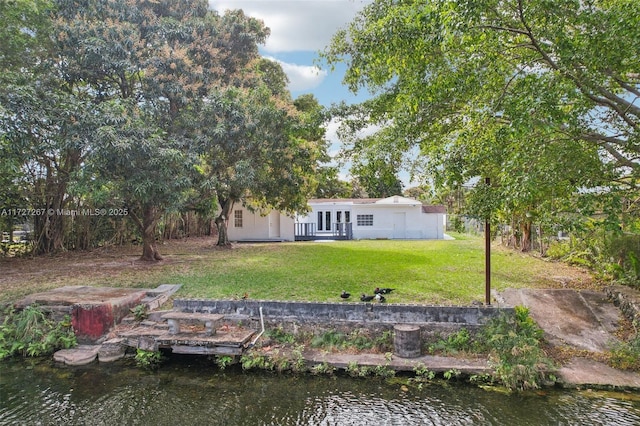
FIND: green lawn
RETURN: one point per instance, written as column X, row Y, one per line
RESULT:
column 434, row 272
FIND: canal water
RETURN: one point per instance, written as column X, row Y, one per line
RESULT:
column 188, row 391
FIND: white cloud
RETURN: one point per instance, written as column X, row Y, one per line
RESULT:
column 297, row 25
column 331, row 134
column 301, row 77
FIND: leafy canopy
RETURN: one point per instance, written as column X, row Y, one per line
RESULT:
column 543, row 96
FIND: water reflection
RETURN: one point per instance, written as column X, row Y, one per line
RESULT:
column 196, row 392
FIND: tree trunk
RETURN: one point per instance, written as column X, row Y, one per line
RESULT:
column 51, row 193
column 222, row 220
column 49, row 229
column 526, row 236
column 148, row 227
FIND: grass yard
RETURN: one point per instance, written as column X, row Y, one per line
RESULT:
column 431, row 272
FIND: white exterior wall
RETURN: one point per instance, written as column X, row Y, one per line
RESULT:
column 274, row 226
column 393, row 222
column 434, row 225
column 393, row 218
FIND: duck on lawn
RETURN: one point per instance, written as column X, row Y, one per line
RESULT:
column 385, row 290
column 345, row 295
column 366, row 298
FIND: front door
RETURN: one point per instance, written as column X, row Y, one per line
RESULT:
column 400, row 225
column 274, row 224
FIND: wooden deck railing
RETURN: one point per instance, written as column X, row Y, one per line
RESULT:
column 308, row 231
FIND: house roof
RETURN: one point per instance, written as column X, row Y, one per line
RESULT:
column 434, row 209
column 396, row 199
column 343, row 200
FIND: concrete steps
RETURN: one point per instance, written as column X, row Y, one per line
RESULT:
column 183, row 333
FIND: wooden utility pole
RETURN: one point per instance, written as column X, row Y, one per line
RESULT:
column 487, row 254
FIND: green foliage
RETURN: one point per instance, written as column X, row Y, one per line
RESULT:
column 610, row 254
column 329, row 339
column 421, row 371
column 451, row 374
column 253, row 359
column 31, row 333
column 24, row 31
column 353, row 369
column 279, row 335
column 626, row 356
column 515, row 350
column 558, row 250
column 139, row 312
column 460, row 341
column 132, row 106
column 357, row 339
column 298, row 364
column 375, row 166
column 323, row 369
column 491, row 89
column 261, row 152
column 223, row 361
column 149, row 360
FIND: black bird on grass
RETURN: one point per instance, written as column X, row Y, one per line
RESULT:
column 366, row 298
column 379, row 290
column 345, row 295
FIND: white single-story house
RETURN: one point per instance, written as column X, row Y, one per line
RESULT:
column 354, row 218
column 374, row 218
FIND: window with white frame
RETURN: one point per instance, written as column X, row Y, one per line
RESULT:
column 364, row 220
column 237, row 218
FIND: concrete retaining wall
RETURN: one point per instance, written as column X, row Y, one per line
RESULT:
column 627, row 299
column 374, row 313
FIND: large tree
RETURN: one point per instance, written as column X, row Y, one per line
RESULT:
column 541, row 96
column 152, row 67
column 259, row 150
column 44, row 143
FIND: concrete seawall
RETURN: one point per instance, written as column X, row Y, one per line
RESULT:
column 318, row 312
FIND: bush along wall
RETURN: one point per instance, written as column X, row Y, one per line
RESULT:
column 31, row 333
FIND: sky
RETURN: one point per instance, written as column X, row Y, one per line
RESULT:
column 299, row 30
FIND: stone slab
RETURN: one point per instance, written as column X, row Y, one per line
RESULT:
column 438, row 364
column 112, row 350
column 80, row 355
column 582, row 372
column 82, row 295
column 234, row 338
column 581, row 319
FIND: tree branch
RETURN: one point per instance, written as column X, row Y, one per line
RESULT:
column 626, row 86
column 579, row 84
column 608, row 142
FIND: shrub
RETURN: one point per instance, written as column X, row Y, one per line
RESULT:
column 149, row 360
column 279, row 335
column 515, row 351
column 30, row 332
column 454, row 343
column 139, row 312
column 626, row 355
